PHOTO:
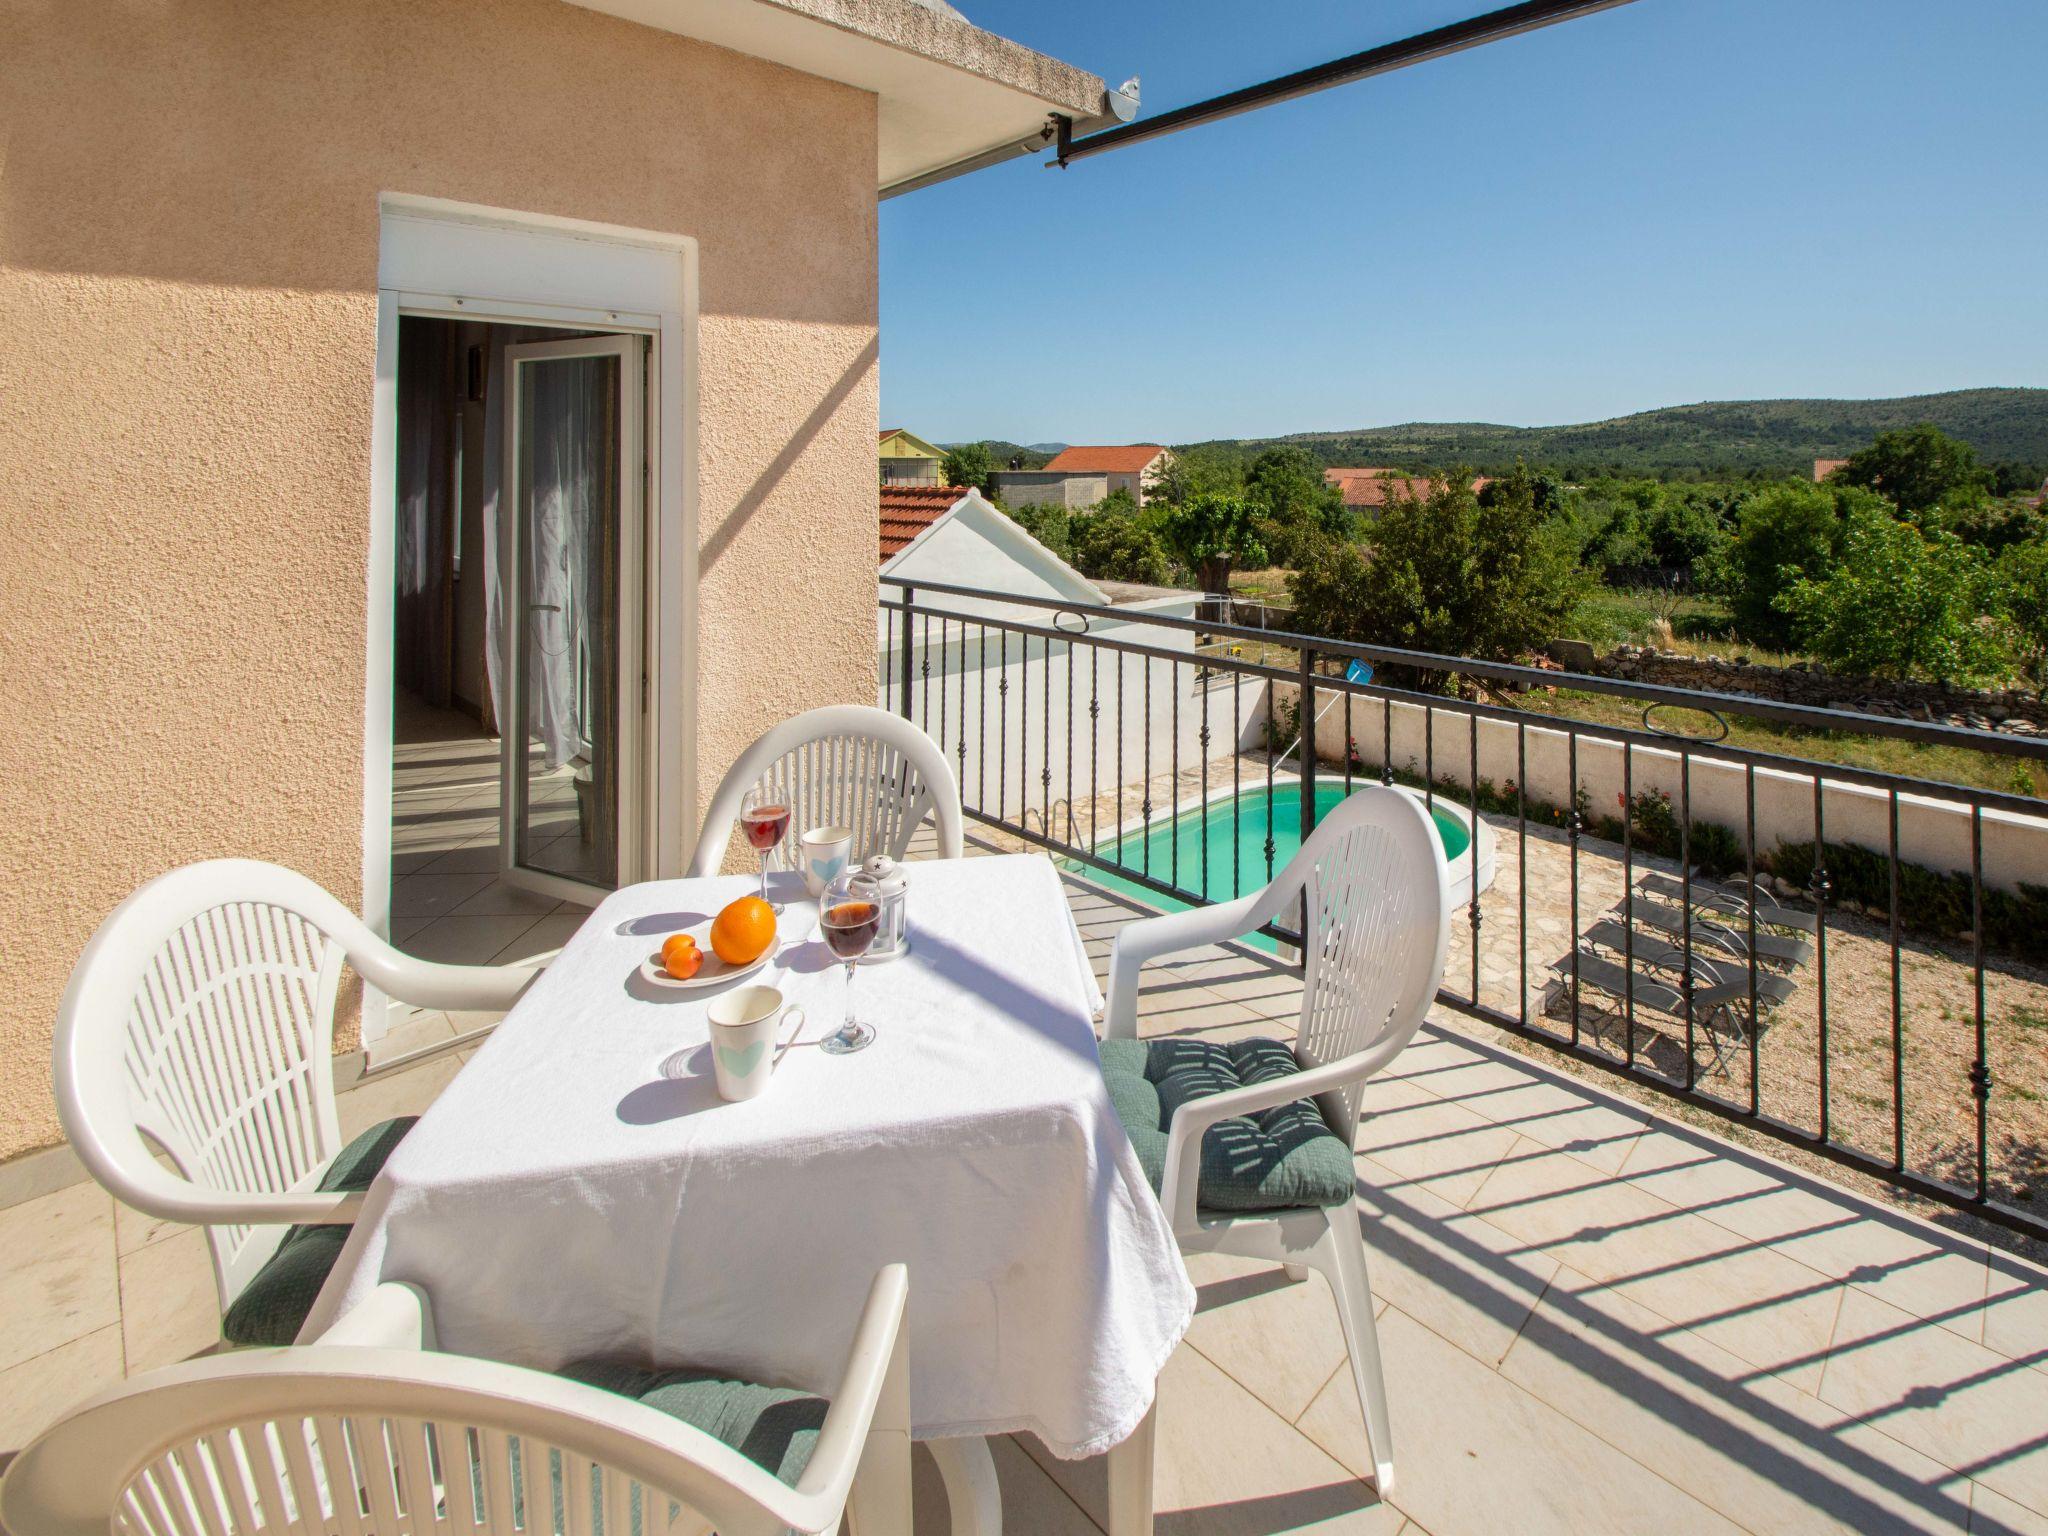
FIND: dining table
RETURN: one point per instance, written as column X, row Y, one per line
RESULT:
column 580, row 1188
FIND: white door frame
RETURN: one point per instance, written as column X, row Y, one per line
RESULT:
column 467, row 261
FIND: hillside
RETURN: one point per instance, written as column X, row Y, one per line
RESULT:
column 1718, row 439
column 1004, row 453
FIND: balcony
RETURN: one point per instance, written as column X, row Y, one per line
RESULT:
column 1624, row 1285
column 1597, row 1318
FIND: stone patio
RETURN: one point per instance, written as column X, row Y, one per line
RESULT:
column 1594, row 1320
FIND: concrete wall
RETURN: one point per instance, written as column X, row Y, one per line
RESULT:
column 1932, row 831
column 188, row 262
column 1036, row 488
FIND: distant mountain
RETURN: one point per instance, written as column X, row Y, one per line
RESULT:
column 1713, row 440
column 1002, row 452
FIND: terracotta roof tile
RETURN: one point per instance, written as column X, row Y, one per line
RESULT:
column 1822, row 468
column 907, row 510
column 1370, row 487
column 1122, row 459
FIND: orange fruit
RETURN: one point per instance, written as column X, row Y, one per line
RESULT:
column 742, row 933
column 680, row 956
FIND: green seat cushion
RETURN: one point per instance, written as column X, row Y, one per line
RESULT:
column 773, row 1427
column 1279, row 1159
column 273, row 1306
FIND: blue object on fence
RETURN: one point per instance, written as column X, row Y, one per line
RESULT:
column 1358, row 672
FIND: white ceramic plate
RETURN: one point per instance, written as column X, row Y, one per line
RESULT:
column 713, row 972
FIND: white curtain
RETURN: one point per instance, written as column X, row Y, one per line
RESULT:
column 568, row 426
column 422, row 653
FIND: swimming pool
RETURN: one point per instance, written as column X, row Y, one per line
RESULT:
column 1220, row 847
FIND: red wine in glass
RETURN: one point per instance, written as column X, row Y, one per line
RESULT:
column 849, row 919
column 765, row 825
column 849, row 928
column 765, row 822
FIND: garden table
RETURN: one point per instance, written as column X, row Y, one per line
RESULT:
column 580, row 1189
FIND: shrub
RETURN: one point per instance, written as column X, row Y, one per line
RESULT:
column 1711, row 848
column 1116, row 547
column 2023, row 596
column 1049, row 524
column 1898, row 603
column 1445, row 573
column 1788, row 532
column 969, row 464
column 1930, row 901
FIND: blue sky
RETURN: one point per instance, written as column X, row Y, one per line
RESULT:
column 1679, row 200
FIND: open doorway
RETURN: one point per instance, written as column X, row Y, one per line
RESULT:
column 518, row 637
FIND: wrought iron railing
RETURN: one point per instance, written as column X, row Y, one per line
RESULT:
column 1897, row 1024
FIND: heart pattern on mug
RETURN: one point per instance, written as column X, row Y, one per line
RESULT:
column 741, row 1063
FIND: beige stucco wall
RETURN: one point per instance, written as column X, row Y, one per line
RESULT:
column 188, row 250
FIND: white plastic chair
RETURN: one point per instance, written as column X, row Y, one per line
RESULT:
column 200, row 1020
column 370, row 1431
column 1373, row 876
column 846, row 765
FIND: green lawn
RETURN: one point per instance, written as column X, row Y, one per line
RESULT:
column 1882, row 754
column 1700, row 626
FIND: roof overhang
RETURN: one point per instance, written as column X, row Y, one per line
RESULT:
column 951, row 96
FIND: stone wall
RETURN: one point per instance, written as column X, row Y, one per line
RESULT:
column 2013, row 710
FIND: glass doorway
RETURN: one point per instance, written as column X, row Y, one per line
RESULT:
column 572, row 531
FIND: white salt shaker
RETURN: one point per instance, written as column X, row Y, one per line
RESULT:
column 892, row 881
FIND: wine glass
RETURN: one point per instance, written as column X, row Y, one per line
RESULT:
column 764, row 817
column 849, row 917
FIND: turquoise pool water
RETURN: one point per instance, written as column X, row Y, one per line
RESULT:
column 1224, row 829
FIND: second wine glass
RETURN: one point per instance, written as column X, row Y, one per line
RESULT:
column 849, row 917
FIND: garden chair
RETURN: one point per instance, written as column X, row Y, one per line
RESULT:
column 199, row 1025
column 1250, row 1144
column 370, row 1430
column 1734, row 899
column 1720, row 929
column 1720, row 991
column 846, row 765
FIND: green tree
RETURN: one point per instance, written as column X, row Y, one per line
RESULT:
column 1919, row 470
column 1115, row 546
column 2023, row 595
column 1898, row 603
column 1209, row 533
column 969, row 464
column 1788, row 532
column 1297, row 505
column 1206, row 469
column 1441, row 572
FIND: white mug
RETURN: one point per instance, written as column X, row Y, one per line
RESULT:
column 745, row 1023
column 826, row 851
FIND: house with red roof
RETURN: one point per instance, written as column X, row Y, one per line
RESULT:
column 1366, row 490
column 1081, row 476
column 1133, row 467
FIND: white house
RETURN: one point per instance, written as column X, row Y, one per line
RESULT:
column 985, row 691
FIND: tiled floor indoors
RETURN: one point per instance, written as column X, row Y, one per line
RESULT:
column 1594, row 1320
column 447, row 901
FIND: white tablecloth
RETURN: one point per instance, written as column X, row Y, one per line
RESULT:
column 580, row 1189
